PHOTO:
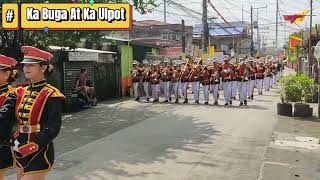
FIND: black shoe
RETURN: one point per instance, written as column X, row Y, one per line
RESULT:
column 260, row 93
column 185, row 101
column 218, row 95
column 241, row 104
column 245, row 102
column 206, row 103
column 166, row 101
column 148, row 99
column 196, row 102
column 155, row 100
column 170, row 99
column 252, row 97
column 215, row 103
column 230, row 102
column 234, row 98
column 137, row 99
column 268, row 89
column 226, row 104
column 177, row 101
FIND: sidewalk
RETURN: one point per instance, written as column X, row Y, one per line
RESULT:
column 294, row 150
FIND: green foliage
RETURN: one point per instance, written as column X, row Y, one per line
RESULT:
column 296, row 87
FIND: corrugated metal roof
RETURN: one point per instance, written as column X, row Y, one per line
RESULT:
column 222, row 29
column 80, row 50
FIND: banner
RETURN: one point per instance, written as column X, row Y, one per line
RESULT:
column 68, row 16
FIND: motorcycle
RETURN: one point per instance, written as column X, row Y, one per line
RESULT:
column 80, row 101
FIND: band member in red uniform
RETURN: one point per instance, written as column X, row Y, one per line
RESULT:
column 7, row 115
column 242, row 73
column 184, row 82
column 252, row 78
column 166, row 81
column 136, row 74
column 215, row 80
column 260, row 77
column 38, row 112
column 268, row 76
column 176, row 74
column 155, row 81
column 226, row 71
column 205, row 81
column 194, row 78
column 146, row 81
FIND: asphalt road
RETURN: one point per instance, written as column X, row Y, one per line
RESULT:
column 124, row 139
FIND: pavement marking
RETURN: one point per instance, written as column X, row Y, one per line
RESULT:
column 276, row 163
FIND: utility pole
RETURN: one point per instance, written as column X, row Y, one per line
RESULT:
column 242, row 12
column 310, row 42
column 251, row 47
column 165, row 11
column 205, row 37
column 183, row 37
column 277, row 13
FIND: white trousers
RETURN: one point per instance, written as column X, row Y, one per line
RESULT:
column 266, row 83
column 215, row 91
column 175, row 89
column 259, row 85
column 136, row 89
column 234, row 87
column 166, row 88
column 206, row 92
column 243, row 91
column 227, row 91
column 250, row 86
column 195, row 89
column 155, row 91
column 146, row 89
column 183, row 87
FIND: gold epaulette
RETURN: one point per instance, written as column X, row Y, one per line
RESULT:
column 56, row 92
column 11, row 90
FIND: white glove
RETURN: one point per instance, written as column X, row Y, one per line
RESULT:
column 16, row 145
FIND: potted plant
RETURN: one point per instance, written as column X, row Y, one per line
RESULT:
column 285, row 108
column 307, row 85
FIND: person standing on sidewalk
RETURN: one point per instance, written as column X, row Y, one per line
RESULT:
column 38, row 114
column 7, row 115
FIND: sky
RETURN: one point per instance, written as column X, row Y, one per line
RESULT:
column 231, row 10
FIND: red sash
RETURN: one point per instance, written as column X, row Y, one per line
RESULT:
column 37, row 107
column 3, row 99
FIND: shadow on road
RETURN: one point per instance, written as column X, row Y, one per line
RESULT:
column 159, row 140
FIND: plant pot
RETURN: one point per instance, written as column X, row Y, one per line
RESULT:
column 284, row 109
column 302, row 110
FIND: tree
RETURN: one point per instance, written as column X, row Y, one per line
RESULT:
column 11, row 41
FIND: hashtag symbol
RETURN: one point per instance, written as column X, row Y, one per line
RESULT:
column 10, row 15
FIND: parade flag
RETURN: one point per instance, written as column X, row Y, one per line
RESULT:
column 295, row 41
column 296, row 18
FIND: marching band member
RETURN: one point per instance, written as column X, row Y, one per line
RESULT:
column 136, row 73
column 38, row 112
column 194, row 78
column 268, row 75
column 166, row 80
column 184, row 82
column 252, row 78
column 226, row 71
column 260, row 77
column 215, row 80
column 205, row 81
column 176, row 73
column 234, row 83
column 155, row 80
column 146, row 81
column 242, row 73
column 7, row 118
